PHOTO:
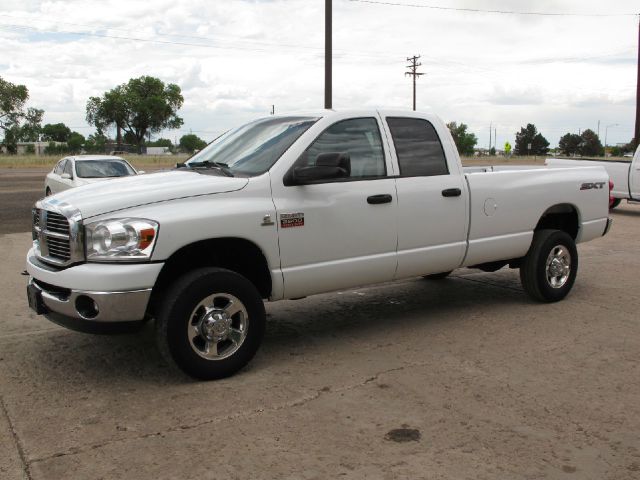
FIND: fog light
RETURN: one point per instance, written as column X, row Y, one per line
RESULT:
column 87, row 307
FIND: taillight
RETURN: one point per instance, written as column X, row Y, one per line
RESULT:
column 611, row 197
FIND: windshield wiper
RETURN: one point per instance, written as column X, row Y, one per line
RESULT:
column 223, row 167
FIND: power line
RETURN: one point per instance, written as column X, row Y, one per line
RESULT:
column 504, row 12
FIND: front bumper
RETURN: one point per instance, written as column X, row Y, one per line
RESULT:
column 92, row 292
column 106, row 307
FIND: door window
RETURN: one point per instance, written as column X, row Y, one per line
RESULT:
column 418, row 147
column 60, row 167
column 68, row 168
column 359, row 138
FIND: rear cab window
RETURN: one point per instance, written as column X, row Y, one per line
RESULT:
column 418, row 147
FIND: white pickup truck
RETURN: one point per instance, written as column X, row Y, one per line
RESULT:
column 625, row 175
column 290, row 206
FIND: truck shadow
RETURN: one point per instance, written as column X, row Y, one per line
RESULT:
column 360, row 315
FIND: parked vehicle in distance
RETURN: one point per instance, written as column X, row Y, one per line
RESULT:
column 79, row 170
column 294, row 205
column 625, row 175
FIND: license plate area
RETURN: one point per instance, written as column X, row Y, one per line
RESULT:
column 34, row 296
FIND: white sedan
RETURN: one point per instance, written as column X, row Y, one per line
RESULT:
column 79, row 170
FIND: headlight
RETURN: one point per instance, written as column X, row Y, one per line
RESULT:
column 120, row 239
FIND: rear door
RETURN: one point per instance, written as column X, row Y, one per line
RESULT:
column 432, row 196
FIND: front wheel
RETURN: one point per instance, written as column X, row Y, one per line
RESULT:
column 549, row 269
column 211, row 323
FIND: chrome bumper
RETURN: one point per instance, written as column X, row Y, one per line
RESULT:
column 128, row 306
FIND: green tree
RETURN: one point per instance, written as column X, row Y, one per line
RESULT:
column 464, row 140
column 590, row 143
column 530, row 135
column 139, row 106
column 29, row 130
column 12, row 100
column 161, row 142
column 569, row 144
column 56, row 132
column 75, row 142
column 96, row 143
column 190, row 143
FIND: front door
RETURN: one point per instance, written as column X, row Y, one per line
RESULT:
column 339, row 234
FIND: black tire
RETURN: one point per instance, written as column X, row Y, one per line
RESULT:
column 47, row 192
column 438, row 276
column 534, row 275
column 616, row 203
column 177, row 312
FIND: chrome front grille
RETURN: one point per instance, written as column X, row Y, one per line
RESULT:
column 57, row 223
column 57, row 234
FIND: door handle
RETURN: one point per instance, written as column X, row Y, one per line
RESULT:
column 378, row 199
column 451, row 192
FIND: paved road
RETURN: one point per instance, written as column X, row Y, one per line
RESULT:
column 459, row 379
column 19, row 190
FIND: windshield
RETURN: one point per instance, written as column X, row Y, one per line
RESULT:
column 253, row 148
column 103, row 168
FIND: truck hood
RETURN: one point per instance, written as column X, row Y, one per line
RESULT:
column 119, row 193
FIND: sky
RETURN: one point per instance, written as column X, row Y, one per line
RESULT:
column 234, row 59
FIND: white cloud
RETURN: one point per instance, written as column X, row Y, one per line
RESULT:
column 234, row 59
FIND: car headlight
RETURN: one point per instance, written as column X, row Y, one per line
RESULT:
column 120, row 239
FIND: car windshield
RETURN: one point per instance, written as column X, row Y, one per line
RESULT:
column 103, row 168
column 253, row 148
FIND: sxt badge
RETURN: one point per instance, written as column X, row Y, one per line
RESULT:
column 591, row 186
column 288, row 220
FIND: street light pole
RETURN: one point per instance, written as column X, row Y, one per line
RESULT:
column 606, row 131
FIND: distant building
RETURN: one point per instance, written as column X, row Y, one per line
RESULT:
column 158, row 151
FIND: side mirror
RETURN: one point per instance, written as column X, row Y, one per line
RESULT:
column 329, row 166
column 65, row 176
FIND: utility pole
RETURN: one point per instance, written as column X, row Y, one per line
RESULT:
column 273, row 109
column 637, row 130
column 490, row 132
column 327, row 55
column 413, row 71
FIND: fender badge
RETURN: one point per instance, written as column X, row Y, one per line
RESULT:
column 288, row 220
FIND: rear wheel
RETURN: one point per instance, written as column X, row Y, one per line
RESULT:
column 211, row 323
column 549, row 269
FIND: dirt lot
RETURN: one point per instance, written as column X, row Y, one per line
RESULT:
column 464, row 378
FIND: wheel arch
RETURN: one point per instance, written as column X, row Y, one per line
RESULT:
column 233, row 253
column 562, row 216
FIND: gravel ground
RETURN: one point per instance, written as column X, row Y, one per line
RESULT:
column 462, row 378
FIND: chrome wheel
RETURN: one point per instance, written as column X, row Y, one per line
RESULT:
column 558, row 266
column 218, row 326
